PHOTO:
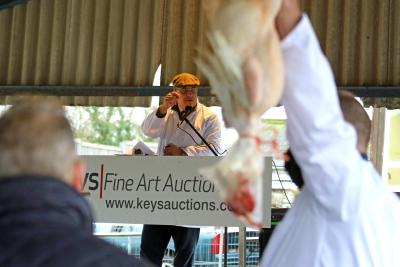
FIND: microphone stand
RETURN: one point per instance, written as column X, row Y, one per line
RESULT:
column 199, row 135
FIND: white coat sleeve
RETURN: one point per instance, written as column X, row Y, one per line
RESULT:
column 152, row 125
column 323, row 144
column 212, row 134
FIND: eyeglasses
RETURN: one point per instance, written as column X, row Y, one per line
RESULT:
column 187, row 89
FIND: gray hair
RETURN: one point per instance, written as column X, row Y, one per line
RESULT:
column 36, row 139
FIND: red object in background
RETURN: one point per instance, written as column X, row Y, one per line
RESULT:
column 215, row 244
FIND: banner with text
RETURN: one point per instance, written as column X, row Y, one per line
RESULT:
column 160, row 190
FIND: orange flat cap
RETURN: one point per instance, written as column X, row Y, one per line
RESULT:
column 184, row 79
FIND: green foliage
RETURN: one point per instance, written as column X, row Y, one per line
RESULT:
column 274, row 122
column 275, row 129
column 105, row 125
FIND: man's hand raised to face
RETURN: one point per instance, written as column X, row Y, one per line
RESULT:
column 169, row 101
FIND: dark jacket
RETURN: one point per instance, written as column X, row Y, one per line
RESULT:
column 44, row 222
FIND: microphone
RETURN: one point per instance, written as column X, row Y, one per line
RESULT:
column 185, row 114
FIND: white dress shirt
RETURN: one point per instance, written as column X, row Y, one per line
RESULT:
column 170, row 129
column 344, row 215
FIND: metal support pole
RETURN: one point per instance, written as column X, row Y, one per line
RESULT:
column 378, row 138
column 220, row 246
column 242, row 246
column 226, row 247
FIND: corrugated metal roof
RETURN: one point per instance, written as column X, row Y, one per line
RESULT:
column 184, row 32
column 122, row 42
column 362, row 42
column 355, row 37
column 88, row 42
column 394, row 43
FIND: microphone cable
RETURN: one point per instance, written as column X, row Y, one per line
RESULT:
column 280, row 181
column 202, row 145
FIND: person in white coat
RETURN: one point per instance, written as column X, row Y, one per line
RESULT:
column 353, row 113
column 344, row 215
column 177, row 138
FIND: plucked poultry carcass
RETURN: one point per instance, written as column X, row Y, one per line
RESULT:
column 245, row 69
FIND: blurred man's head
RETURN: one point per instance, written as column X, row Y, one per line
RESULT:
column 355, row 114
column 185, row 86
column 36, row 139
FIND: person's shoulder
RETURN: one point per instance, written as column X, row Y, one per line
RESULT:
column 208, row 112
column 93, row 251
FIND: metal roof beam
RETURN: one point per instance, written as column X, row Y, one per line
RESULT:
column 10, row 90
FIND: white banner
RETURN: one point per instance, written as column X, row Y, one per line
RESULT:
column 160, row 190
